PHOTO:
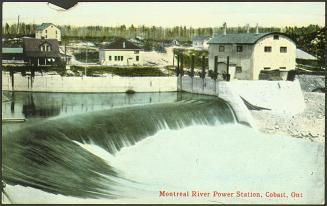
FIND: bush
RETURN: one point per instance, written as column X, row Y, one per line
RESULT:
column 130, row 91
column 120, row 71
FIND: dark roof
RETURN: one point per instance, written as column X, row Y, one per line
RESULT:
column 119, row 44
column 240, row 38
column 31, row 47
column 43, row 26
column 200, row 38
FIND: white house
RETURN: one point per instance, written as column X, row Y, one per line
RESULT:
column 121, row 53
column 48, row 31
column 250, row 53
column 200, row 42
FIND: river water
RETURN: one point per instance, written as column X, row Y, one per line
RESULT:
column 127, row 148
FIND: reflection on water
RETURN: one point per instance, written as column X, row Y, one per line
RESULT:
column 42, row 105
column 33, row 105
column 30, row 109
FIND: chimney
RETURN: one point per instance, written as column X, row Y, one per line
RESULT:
column 247, row 28
column 124, row 45
column 257, row 29
column 225, row 28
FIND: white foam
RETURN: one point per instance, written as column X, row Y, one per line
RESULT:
column 225, row 158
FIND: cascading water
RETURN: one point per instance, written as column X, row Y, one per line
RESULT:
column 130, row 154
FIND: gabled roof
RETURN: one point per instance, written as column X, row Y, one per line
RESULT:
column 44, row 26
column 121, row 44
column 240, row 38
column 31, row 47
column 201, row 38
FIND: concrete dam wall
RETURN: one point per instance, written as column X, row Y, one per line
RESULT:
column 56, row 83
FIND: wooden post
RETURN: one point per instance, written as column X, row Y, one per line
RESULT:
column 227, row 75
column 32, row 76
column 181, row 72
column 203, row 73
column 182, row 64
column 192, row 71
column 12, row 105
column 192, row 66
column 173, row 58
column 12, row 79
column 177, row 67
column 215, row 71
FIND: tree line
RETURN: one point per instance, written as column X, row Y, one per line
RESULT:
column 310, row 38
column 181, row 33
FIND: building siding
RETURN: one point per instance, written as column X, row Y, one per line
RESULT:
column 129, row 57
column 49, row 33
column 274, row 59
column 240, row 59
column 253, row 58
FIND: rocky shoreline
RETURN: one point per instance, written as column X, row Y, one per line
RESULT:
column 309, row 125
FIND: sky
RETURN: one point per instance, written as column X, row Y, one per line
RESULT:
column 169, row 14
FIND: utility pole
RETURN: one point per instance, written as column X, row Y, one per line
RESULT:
column 85, row 60
column 18, row 24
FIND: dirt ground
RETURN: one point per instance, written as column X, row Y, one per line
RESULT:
column 309, row 124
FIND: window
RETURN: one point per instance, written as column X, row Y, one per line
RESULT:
column 115, row 58
column 136, row 51
column 276, row 36
column 45, row 47
column 46, row 31
column 221, row 48
column 56, row 32
column 267, row 48
column 266, row 68
column 121, row 58
column 238, row 69
column 283, row 49
column 109, row 58
column 239, row 48
column 137, row 58
column 282, row 67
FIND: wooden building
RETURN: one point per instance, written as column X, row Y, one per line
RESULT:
column 41, row 52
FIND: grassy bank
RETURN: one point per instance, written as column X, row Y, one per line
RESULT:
column 60, row 69
column 134, row 71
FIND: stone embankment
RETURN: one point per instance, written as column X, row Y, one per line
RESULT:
column 309, row 125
